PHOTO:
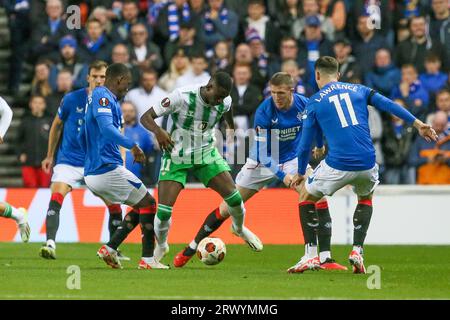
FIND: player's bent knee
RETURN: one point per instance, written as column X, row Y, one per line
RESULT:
column 234, row 199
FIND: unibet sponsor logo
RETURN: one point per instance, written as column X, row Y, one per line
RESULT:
column 289, row 133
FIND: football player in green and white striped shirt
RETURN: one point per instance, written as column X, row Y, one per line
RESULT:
column 195, row 111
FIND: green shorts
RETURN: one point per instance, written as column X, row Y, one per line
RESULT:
column 211, row 165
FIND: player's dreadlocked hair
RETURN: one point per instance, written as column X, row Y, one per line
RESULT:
column 223, row 80
column 117, row 70
column 327, row 65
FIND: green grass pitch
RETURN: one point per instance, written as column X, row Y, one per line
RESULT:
column 407, row 272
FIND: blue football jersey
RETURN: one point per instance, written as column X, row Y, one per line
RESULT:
column 340, row 110
column 102, row 154
column 71, row 112
column 284, row 126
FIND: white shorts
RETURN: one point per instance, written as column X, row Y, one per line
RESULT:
column 325, row 180
column 117, row 186
column 70, row 175
column 255, row 176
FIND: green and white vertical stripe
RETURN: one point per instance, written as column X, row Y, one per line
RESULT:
column 197, row 120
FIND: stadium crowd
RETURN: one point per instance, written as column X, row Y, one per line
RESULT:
column 399, row 48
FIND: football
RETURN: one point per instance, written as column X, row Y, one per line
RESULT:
column 211, row 251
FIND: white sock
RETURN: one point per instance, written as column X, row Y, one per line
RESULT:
column 193, row 245
column 51, row 243
column 324, row 255
column 17, row 215
column 237, row 216
column 148, row 260
column 357, row 249
column 110, row 250
column 162, row 230
column 311, row 251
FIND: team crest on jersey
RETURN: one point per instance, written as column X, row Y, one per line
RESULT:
column 165, row 103
column 302, row 115
column 203, row 125
column 104, row 102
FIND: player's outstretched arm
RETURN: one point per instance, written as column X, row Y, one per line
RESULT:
column 6, row 115
column 162, row 136
column 382, row 103
column 425, row 131
column 53, row 141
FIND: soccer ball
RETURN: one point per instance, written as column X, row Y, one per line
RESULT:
column 211, row 251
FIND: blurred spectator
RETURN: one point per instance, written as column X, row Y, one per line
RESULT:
column 169, row 19
column 63, row 86
column 143, row 52
column 198, row 73
column 120, row 54
column 68, row 59
column 148, row 94
column 311, row 8
column 381, row 16
column 154, row 8
column 259, row 21
column 432, row 159
column 418, row 46
column 412, row 92
column 439, row 20
column 291, row 66
column 442, row 104
column 397, row 141
column 40, row 85
column 335, row 10
column 259, row 52
column 440, row 23
column 238, row 6
column 433, row 79
column 198, row 6
column 179, row 65
column 246, row 97
column 243, row 55
column 408, row 9
column 95, row 45
column 312, row 46
column 403, row 33
column 32, row 144
column 285, row 13
column 19, row 23
column 130, row 16
column 367, row 43
column 102, row 15
column 384, row 75
column 45, row 37
column 136, row 132
column 219, row 24
column 348, row 66
column 288, row 51
column 222, row 57
column 188, row 41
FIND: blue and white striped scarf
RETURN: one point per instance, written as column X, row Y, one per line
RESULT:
column 174, row 23
column 209, row 27
column 153, row 10
column 263, row 61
